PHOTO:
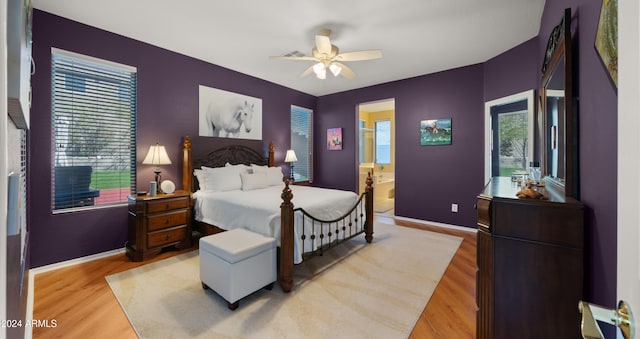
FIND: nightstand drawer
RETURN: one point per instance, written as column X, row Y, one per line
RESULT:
column 166, row 220
column 161, row 238
column 167, row 204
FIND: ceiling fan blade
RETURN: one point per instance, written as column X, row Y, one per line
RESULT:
column 323, row 44
column 307, row 72
column 345, row 71
column 303, row 58
column 360, row 55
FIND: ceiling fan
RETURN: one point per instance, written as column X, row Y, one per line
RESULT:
column 327, row 56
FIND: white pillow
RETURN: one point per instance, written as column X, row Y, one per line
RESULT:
column 201, row 176
column 274, row 176
column 253, row 181
column 259, row 168
column 220, row 179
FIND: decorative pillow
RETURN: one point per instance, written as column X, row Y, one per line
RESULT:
column 253, row 181
column 274, row 176
column 220, row 179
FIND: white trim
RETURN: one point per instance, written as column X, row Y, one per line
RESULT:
column 114, row 64
column 628, row 183
column 73, row 262
column 52, row 267
column 438, row 224
column 488, row 133
column 3, row 166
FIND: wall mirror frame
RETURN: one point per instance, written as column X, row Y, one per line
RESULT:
column 559, row 156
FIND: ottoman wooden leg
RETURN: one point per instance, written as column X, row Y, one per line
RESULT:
column 233, row 306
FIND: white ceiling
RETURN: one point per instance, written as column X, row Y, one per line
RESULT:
column 416, row 37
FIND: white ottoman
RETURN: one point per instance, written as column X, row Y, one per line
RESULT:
column 237, row 263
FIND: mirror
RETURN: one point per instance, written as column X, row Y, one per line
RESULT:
column 560, row 147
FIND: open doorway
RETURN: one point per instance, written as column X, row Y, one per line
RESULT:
column 376, row 152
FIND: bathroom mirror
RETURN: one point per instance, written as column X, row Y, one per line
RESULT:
column 559, row 120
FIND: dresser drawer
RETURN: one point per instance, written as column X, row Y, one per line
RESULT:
column 166, row 220
column 167, row 204
column 161, row 238
column 484, row 213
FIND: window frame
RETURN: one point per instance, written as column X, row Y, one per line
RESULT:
column 309, row 153
column 92, row 68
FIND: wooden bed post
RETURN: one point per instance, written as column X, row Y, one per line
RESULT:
column 187, row 170
column 285, row 274
column 271, row 161
column 368, row 232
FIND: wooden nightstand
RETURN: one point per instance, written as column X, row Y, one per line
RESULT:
column 158, row 222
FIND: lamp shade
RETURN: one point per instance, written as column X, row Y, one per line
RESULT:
column 157, row 156
column 291, row 156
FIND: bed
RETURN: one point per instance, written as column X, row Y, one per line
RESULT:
column 236, row 186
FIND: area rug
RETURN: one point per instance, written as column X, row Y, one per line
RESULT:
column 355, row 290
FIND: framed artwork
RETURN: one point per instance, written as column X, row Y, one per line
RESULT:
column 334, row 139
column 435, row 132
column 229, row 115
column 607, row 38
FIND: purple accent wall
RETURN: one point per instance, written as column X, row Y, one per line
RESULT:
column 428, row 179
column 167, row 110
column 598, row 116
column 513, row 71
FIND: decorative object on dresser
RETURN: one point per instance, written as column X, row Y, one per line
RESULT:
column 157, row 155
column 290, row 158
column 158, row 222
column 222, row 201
column 530, row 264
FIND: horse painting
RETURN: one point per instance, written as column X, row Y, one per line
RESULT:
column 229, row 115
column 227, row 120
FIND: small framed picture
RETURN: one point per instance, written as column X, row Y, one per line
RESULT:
column 435, row 132
column 334, row 139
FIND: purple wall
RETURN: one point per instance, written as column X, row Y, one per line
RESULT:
column 167, row 110
column 598, row 116
column 428, row 179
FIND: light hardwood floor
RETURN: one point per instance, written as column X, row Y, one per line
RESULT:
column 81, row 302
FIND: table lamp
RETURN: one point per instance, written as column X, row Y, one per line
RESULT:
column 157, row 156
column 291, row 158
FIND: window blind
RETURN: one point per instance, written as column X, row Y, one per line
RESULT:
column 94, row 131
column 302, row 143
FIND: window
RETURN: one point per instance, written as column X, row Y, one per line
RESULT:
column 383, row 141
column 93, row 112
column 302, row 143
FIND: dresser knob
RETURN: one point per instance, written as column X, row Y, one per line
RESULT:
column 166, row 222
column 167, row 238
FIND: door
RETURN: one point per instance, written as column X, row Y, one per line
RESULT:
column 376, row 152
column 628, row 271
column 508, row 134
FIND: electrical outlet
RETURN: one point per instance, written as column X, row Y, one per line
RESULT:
column 454, row 208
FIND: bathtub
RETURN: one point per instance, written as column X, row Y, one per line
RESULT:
column 384, row 186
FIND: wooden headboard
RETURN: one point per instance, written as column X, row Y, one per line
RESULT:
column 234, row 154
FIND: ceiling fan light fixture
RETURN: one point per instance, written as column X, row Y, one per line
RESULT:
column 335, row 69
column 320, row 70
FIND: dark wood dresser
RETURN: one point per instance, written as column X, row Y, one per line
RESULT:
column 530, row 264
column 158, row 222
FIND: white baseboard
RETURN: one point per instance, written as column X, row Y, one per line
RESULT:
column 438, row 224
column 28, row 334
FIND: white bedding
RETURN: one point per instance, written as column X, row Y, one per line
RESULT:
column 259, row 210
